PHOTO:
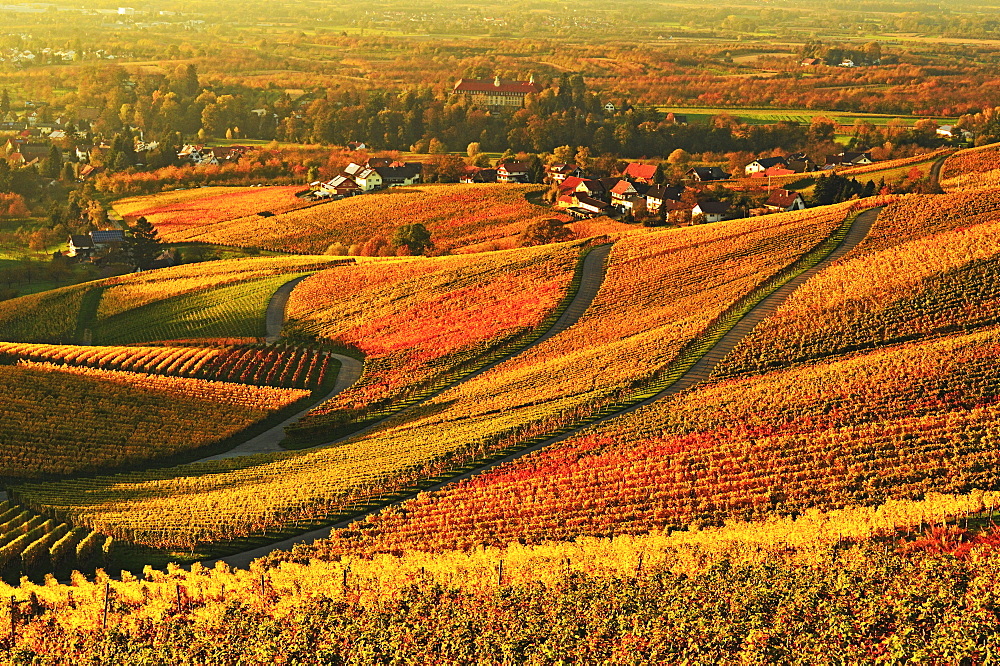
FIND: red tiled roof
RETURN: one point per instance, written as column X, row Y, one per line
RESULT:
column 781, row 198
column 642, row 171
column 623, row 187
column 489, row 86
column 571, row 183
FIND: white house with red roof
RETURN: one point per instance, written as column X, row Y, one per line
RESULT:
column 784, row 201
column 512, row 172
column 496, row 93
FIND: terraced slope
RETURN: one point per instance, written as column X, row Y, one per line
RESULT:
column 232, row 498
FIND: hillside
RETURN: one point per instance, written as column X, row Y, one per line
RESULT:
column 709, row 267
column 175, row 212
column 470, row 217
column 712, row 426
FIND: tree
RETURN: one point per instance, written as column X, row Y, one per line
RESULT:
column 4, row 102
column 549, row 230
column 52, row 166
column 414, row 237
column 472, row 149
column 679, row 156
column 144, row 243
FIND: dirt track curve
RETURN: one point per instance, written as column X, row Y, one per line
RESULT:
column 698, row 373
column 350, row 372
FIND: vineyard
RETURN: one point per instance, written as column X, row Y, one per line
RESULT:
column 291, row 367
column 417, row 321
column 688, row 277
column 47, row 411
column 30, row 543
column 456, row 215
column 929, row 267
column 174, row 213
column 773, row 593
column 972, row 169
column 890, row 424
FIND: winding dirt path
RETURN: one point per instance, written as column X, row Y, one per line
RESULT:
column 350, row 372
column 697, row 374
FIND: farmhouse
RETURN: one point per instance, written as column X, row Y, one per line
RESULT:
column 784, row 201
column 87, row 245
column 496, row 93
column 474, row 174
column 714, row 211
column 849, row 159
column 622, row 191
column 656, row 195
column 706, row 174
column 763, row 164
column 557, row 173
column 640, row 173
column 512, row 172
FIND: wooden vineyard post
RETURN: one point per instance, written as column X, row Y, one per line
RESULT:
column 222, row 594
column 13, row 624
column 178, row 591
column 107, row 603
column 344, row 582
column 500, row 574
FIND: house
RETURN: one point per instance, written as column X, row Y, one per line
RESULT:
column 803, row 165
column 88, row 171
column 570, row 183
column 952, row 132
column 587, row 207
column 338, row 186
column 714, row 211
column 784, row 201
column 810, row 62
column 557, row 173
column 496, row 94
column 774, row 172
column 357, row 145
column 401, row 174
column 109, row 239
column 80, row 245
column 368, row 179
column 474, row 174
column 640, row 173
column 393, row 174
column 847, row 62
column 706, row 174
column 609, row 107
column 635, row 205
column 676, row 118
column 622, row 190
column 657, row 194
column 849, row 159
column 763, row 164
column 512, row 172
column 593, row 188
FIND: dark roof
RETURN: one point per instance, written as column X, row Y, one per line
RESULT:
column 664, row 192
column 108, row 236
column 709, row 173
column 767, row 162
column 404, row 171
column 713, row 207
column 583, row 199
column 562, row 168
column 512, row 166
column 81, row 241
column 490, row 85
